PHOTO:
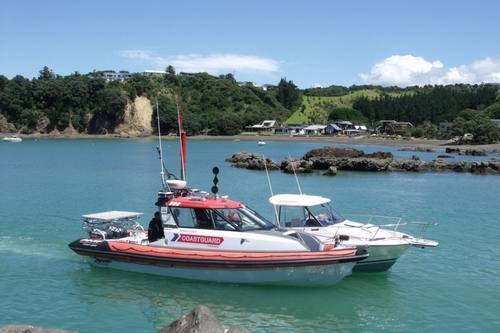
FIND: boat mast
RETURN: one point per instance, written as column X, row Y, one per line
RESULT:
column 182, row 143
column 162, row 172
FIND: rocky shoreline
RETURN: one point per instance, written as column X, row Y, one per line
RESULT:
column 328, row 160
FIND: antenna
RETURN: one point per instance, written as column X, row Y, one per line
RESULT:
column 182, row 143
column 162, row 172
column 295, row 173
column 267, row 173
column 271, row 189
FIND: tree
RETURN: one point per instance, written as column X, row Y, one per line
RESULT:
column 109, row 110
column 288, row 94
column 346, row 114
column 170, row 70
column 228, row 125
column 477, row 124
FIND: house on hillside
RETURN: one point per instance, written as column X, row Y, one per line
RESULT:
column 344, row 125
column 113, row 76
column 266, row 126
column 392, row 127
column 314, row 129
column 443, row 126
column 148, row 72
column 292, row 129
column 332, row 129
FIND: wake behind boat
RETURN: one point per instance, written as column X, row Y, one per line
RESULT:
column 314, row 215
column 212, row 238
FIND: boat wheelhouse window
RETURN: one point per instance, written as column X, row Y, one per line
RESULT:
column 242, row 218
column 325, row 215
column 193, row 218
column 313, row 216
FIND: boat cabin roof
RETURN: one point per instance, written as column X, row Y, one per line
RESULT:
column 302, row 200
column 112, row 216
column 204, row 203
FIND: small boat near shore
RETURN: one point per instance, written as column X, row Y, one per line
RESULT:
column 380, row 234
column 261, row 143
column 13, row 138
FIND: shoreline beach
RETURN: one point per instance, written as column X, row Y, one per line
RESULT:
column 354, row 141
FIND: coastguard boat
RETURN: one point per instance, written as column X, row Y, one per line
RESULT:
column 212, row 238
column 380, row 234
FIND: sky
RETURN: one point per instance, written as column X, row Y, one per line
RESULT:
column 314, row 43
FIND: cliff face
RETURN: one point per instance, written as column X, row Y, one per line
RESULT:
column 137, row 120
column 138, row 117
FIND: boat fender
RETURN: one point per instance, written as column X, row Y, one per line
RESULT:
column 361, row 251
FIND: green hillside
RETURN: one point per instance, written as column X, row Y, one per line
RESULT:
column 315, row 109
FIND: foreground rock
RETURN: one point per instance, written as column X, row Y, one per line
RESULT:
column 252, row 161
column 200, row 320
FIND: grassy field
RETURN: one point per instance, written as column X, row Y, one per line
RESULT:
column 314, row 109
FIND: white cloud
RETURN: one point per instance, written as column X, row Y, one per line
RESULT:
column 214, row 64
column 409, row 70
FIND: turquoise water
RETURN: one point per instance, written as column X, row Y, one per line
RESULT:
column 47, row 184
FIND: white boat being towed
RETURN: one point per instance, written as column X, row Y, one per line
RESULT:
column 314, row 215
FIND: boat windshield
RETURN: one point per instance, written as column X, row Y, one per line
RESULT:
column 313, row 216
column 326, row 215
column 243, row 219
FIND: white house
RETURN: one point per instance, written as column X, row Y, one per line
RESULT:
column 315, row 130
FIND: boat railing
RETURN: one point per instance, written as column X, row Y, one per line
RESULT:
column 379, row 222
column 127, row 220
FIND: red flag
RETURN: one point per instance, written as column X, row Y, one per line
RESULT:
column 182, row 136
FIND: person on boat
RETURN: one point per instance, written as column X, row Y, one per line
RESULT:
column 233, row 216
column 155, row 229
column 202, row 220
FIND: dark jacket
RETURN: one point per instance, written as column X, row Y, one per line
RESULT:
column 155, row 230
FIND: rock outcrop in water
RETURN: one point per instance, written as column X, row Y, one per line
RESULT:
column 252, row 161
column 439, row 165
column 348, row 159
column 200, row 320
column 329, row 160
